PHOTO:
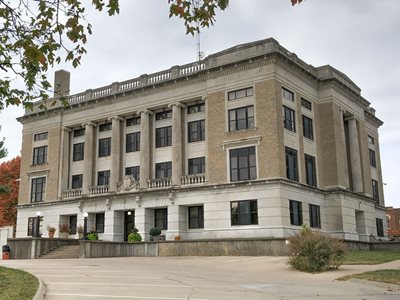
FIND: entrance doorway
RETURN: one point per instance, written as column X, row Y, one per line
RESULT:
column 129, row 223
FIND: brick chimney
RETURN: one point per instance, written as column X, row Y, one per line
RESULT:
column 61, row 83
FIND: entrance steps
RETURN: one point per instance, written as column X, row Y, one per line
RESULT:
column 69, row 251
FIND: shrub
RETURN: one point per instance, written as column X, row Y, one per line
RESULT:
column 315, row 252
column 134, row 237
column 64, row 227
column 51, row 228
column 92, row 236
column 155, row 231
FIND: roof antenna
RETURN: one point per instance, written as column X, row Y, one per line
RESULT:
column 199, row 53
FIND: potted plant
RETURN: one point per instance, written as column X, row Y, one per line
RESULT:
column 177, row 237
column 155, row 234
column 51, row 231
column 64, row 230
column 134, row 236
column 92, row 236
column 80, row 231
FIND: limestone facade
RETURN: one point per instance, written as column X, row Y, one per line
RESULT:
column 250, row 142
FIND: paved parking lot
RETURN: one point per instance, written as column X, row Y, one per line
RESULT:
column 197, row 278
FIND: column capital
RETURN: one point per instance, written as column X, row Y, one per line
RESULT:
column 145, row 111
column 68, row 129
column 89, row 123
column 177, row 104
column 351, row 118
column 116, row 118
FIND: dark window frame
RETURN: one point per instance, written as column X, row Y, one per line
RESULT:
column 164, row 136
column 37, row 195
column 196, row 108
column 308, row 128
column 196, row 220
column 133, row 121
column 289, row 118
column 79, row 132
column 371, row 140
column 315, row 215
column 103, row 178
column 41, row 136
column 134, row 171
column 164, row 167
column 76, row 181
column 306, row 104
column 132, row 142
column 104, row 147
column 196, row 131
column 240, row 217
column 310, row 166
column 164, row 220
column 241, row 93
column 99, row 222
column 197, row 165
column 31, row 226
column 236, row 124
column 375, row 190
column 296, row 212
column 292, row 167
column 372, row 158
column 287, row 94
column 379, row 227
column 163, row 115
column 235, row 160
column 40, row 155
column 73, row 224
column 78, row 151
column 105, row 127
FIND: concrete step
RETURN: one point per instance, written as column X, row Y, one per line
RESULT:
column 71, row 251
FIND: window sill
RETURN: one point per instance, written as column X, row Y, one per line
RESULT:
column 42, row 164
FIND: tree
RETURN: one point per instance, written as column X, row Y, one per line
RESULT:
column 3, row 150
column 37, row 34
column 9, row 188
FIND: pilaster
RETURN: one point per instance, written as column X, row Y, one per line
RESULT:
column 355, row 158
column 176, row 142
column 145, row 147
column 64, row 173
column 88, row 157
column 115, row 153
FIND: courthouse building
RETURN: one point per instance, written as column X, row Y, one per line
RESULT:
column 249, row 142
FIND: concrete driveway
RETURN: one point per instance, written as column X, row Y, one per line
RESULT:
column 197, row 278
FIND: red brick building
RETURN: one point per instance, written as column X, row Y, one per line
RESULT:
column 393, row 215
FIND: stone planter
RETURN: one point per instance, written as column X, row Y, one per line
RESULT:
column 51, row 234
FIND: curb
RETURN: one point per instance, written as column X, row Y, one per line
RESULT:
column 41, row 292
column 391, row 287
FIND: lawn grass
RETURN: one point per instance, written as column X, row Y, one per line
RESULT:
column 17, row 285
column 386, row 276
column 370, row 257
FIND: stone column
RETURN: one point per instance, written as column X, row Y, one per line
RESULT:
column 355, row 159
column 88, row 157
column 65, row 149
column 145, row 148
column 176, row 143
column 115, row 153
column 343, row 140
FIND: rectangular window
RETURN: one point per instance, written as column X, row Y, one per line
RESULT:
column 379, row 228
column 39, row 155
column 78, row 151
column 315, row 216
column 105, row 127
column 163, row 137
column 132, row 142
column 192, row 109
column 164, row 115
column 372, row 158
column 105, row 147
column 244, row 212
column 196, row 217
column 241, row 118
column 291, row 164
column 287, row 94
column 77, row 181
column 38, row 187
column 311, row 177
column 79, row 132
column 72, row 224
column 41, row 136
column 133, row 121
column 296, row 213
column 375, row 190
column 103, row 177
column 289, row 119
column 161, row 218
column 305, row 103
column 197, row 165
column 371, row 140
column 164, row 170
column 243, row 165
column 308, row 128
column 242, row 93
column 31, row 226
column 99, row 223
column 134, row 171
column 196, row 131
